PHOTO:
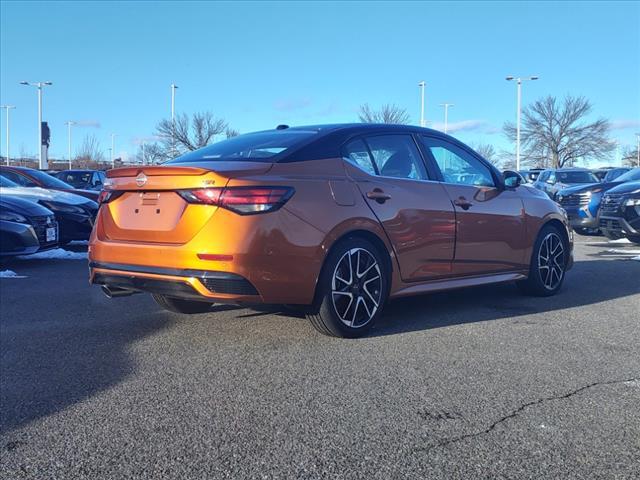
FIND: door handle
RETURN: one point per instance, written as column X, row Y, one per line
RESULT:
column 463, row 203
column 378, row 195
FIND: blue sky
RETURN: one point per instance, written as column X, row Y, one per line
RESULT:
column 260, row 64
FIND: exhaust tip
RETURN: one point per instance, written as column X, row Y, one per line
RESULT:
column 114, row 292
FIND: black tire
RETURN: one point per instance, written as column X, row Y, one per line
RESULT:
column 634, row 239
column 545, row 261
column 179, row 305
column 369, row 286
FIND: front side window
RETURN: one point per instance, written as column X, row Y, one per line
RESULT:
column 457, row 165
column 356, row 152
column 397, row 156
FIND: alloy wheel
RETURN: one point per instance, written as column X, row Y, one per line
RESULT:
column 551, row 261
column 356, row 287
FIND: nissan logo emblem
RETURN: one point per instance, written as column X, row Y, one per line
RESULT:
column 141, row 179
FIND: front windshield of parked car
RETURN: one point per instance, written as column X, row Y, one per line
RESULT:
column 255, row 147
column 632, row 175
column 47, row 180
column 576, row 177
column 76, row 179
column 5, row 182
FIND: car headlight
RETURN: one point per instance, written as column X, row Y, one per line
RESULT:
column 62, row 207
column 633, row 202
column 13, row 217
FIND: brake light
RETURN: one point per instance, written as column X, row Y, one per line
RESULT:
column 108, row 195
column 241, row 200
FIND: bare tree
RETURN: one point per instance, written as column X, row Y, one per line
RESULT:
column 556, row 133
column 151, row 154
column 188, row 134
column 388, row 113
column 630, row 157
column 231, row 132
column 90, row 151
column 486, row 151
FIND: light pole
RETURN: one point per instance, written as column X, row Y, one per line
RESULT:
column 113, row 150
column 7, row 108
column 423, row 123
column 519, row 82
column 173, row 117
column 39, row 86
column 446, row 114
column 69, row 124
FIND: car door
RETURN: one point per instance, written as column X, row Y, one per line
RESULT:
column 490, row 220
column 413, row 209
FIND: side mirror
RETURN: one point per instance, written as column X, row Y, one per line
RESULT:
column 512, row 179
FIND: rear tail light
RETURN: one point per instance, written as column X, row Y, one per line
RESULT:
column 108, row 195
column 241, row 200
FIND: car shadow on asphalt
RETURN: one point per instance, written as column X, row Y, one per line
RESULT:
column 589, row 282
column 58, row 350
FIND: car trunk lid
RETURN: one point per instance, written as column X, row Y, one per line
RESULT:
column 150, row 210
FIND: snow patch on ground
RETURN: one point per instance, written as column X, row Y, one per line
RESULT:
column 56, row 254
column 10, row 274
column 624, row 252
column 620, row 240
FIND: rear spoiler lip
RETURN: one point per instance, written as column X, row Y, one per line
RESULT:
column 155, row 171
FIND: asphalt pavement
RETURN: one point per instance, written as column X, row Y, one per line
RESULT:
column 480, row 383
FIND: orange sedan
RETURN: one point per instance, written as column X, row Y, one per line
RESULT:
column 336, row 219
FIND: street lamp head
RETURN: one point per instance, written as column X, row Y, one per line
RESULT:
column 47, row 83
column 535, row 77
column 422, row 84
column 24, row 83
column 509, row 78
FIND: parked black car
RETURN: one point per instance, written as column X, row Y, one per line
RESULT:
column 582, row 202
column 30, row 177
column 552, row 180
column 83, row 179
column 75, row 214
column 619, row 214
column 25, row 227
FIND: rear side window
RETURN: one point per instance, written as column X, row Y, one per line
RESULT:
column 255, row 147
column 397, row 156
column 356, row 152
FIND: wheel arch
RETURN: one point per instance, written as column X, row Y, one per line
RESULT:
column 375, row 238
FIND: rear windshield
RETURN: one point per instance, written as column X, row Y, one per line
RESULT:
column 5, row 182
column 77, row 179
column 632, row 175
column 576, row 177
column 47, row 180
column 256, row 147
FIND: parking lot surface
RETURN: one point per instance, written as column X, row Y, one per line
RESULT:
column 479, row 383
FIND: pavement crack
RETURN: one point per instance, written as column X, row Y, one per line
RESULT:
column 518, row 411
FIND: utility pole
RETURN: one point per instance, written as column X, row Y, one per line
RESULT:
column 519, row 108
column 446, row 114
column 113, row 150
column 7, row 108
column 173, row 118
column 423, row 122
column 41, row 161
column 69, row 124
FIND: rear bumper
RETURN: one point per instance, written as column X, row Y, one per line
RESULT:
column 221, row 287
